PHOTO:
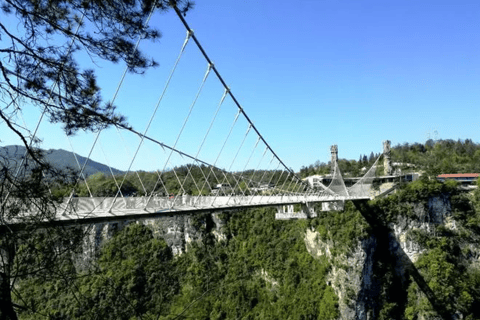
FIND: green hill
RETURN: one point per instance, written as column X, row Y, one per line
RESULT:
column 58, row 158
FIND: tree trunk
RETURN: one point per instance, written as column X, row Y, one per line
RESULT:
column 6, row 307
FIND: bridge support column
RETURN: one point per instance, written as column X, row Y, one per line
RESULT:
column 287, row 212
column 309, row 210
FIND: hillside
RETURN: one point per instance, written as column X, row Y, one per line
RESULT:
column 58, row 158
column 411, row 255
column 433, row 157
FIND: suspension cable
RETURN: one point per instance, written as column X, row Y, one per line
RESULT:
column 236, row 155
column 78, row 164
column 179, row 14
column 207, row 133
column 129, row 155
column 43, row 113
column 122, row 78
column 156, row 108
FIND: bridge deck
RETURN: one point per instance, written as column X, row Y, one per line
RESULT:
column 108, row 208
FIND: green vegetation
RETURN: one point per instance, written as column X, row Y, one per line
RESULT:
column 432, row 158
column 442, row 156
column 262, row 271
column 347, row 167
column 133, row 278
column 187, row 179
column 40, row 42
column 344, row 230
column 447, row 262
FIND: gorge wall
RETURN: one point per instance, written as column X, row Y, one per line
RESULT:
column 177, row 230
column 381, row 256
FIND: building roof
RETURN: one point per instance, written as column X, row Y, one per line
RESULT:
column 459, row 175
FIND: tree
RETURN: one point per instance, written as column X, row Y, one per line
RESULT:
column 47, row 76
column 38, row 68
column 26, row 249
column 135, row 279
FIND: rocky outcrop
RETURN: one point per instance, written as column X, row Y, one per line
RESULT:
column 220, row 220
column 356, row 274
column 424, row 217
column 178, row 231
column 351, row 274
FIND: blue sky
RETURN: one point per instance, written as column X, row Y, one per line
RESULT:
column 309, row 74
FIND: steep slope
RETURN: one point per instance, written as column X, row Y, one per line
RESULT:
column 58, row 158
column 412, row 255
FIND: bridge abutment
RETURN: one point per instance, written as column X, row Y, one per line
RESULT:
column 333, row 205
column 307, row 210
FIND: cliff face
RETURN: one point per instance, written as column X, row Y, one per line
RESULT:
column 350, row 275
column 402, row 257
column 178, row 231
column 425, row 217
column 389, row 268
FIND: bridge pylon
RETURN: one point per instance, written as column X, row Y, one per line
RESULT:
column 387, row 161
column 334, row 158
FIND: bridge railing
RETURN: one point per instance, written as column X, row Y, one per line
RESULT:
column 110, row 205
column 106, row 208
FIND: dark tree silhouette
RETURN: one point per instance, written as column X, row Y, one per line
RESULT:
column 35, row 71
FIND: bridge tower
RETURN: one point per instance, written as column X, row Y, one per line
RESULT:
column 334, row 157
column 387, row 161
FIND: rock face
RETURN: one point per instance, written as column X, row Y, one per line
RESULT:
column 350, row 275
column 425, row 216
column 178, row 231
column 353, row 274
column 220, row 221
column 369, row 288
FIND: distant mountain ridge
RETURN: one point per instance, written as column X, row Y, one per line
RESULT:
column 60, row 159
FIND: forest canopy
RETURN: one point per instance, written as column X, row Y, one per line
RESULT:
column 433, row 157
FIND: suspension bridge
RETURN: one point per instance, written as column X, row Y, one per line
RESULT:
column 236, row 167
